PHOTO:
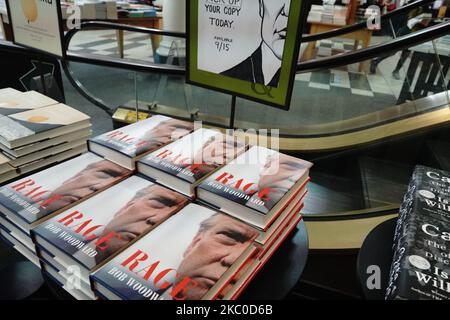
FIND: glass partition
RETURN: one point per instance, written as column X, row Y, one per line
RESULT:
column 329, row 122
column 328, row 101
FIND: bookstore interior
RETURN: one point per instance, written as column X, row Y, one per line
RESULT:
column 225, row 150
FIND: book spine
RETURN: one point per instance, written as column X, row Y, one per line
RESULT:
column 405, row 209
column 401, row 231
column 397, row 247
column 420, row 262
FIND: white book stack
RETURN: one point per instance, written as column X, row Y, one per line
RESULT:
column 328, row 13
column 36, row 131
column 315, row 15
column 88, row 11
column 340, row 15
column 100, row 11
column 111, row 10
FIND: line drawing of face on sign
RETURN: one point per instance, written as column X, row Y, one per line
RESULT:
column 274, row 14
column 29, row 9
column 263, row 66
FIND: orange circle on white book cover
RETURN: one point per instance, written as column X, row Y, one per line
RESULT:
column 29, row 9
column 37, row 119
column 8, row 104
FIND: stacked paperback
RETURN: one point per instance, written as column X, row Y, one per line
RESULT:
column 328, row 14
column 36, row 131
column 315, row 14
column 340, row 15
column 7, row 172
column 420, row 264
column 93, row 9
column 172, row 213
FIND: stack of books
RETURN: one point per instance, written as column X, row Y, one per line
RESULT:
column 127, row 145
column 172, row 213
column 28, row 202
column 207, row 249
column 315, row 14
column 329, row 14
column 7, row 172
column 184, row 164
column 245, row 209
column 36, row 131
column 136, row 9
column 14, row 101
column 140, row 11
column 340, row 15
column 420, row 262
column 93, row 9
column 84, row 237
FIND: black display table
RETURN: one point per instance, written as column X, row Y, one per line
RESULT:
column 284, row 269
column 274, row 282
column 376, row 251
column 20, row 280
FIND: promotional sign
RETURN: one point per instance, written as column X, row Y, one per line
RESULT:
column 2, row 6
column 248, row 48
column 37, row 24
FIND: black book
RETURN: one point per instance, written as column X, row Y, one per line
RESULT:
column 421, row 265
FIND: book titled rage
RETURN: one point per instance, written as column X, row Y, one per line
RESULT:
column 53, row 190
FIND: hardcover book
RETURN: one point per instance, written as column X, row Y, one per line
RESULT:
column 8, row 175
column 4, row 164
column 127, row 145
column 13, row 101
column 56, row 276
column 206, row 249
column 183, row 164
column 248, row 272
column 52, row 160
column 63, row 274
column 257, row 186
column 18, row 246
column 29, row 199
column 34, row 125
column 292, row 209
column 420, row 265
column 84, row 133
column 7, row 92
column 92, row 231
column 20, row 161
column 17, row 233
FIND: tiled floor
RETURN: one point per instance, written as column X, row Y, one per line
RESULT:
column 349, row 77
column 138, row 47
column 322, row 97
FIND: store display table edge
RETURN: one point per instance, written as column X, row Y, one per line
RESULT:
column 20, row 280
column 274, row 282
column 375, row 259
